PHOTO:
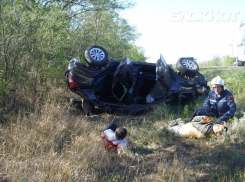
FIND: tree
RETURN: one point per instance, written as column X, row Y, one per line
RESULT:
column 30, row 38
column 78, row 7
column 228, row 61
column 216, row 61
column 110, row 31
column 38, row 37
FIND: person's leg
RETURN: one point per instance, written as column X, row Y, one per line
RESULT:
column 199, row 112
column 175, row 129
column 112, row 126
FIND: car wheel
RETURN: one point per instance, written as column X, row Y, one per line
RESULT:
column 187, row 67
column 96, row 56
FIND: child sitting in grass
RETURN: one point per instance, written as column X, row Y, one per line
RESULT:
column 114, row 138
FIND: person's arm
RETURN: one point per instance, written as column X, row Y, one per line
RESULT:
column 207, row 105
column 230, row 113
column 122, row 147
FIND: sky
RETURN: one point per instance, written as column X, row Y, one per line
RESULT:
column 187, row 28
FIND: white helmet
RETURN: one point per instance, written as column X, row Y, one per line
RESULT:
column 217, row 81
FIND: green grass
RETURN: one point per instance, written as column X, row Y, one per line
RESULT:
column 47, row 143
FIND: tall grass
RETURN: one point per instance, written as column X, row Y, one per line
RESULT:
column 45, row 142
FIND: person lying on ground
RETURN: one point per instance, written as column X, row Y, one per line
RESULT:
column 199, row 127
column 114, row 138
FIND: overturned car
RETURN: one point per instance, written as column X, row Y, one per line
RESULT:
column 125, row 86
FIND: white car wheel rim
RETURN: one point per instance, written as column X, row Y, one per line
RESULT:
column 189, row 64
column 97, row 54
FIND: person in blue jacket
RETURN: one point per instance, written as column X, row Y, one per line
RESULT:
column 219, row 104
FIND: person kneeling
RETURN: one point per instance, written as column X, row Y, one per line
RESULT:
column 199, row 127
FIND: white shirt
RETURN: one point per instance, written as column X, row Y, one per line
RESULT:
column 111, row 142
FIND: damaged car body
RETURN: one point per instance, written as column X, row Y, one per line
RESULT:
column 130, row 87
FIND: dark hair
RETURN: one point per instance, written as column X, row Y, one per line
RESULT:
column 121, row 133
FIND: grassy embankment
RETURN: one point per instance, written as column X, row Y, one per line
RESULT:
column 43, row 142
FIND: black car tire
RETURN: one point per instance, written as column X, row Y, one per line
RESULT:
column 187, row 67
column 96, row 56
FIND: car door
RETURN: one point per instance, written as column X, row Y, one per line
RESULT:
column 163, row 80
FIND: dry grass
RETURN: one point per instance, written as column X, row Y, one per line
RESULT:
column 50, row 144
